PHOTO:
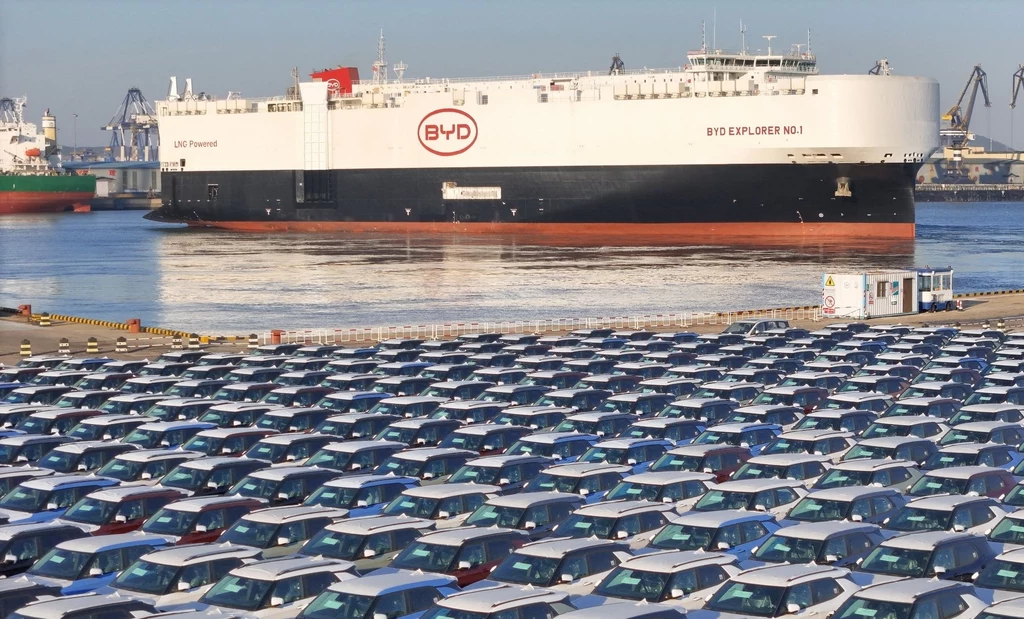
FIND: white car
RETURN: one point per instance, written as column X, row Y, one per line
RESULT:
column 574, row 565
column 678, row 578
column 778, row 590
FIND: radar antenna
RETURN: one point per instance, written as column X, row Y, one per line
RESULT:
column 769, row 37
column 380, row 67
column 617, row 65
column 743, row 38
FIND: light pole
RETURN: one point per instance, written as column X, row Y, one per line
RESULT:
column 75, row 131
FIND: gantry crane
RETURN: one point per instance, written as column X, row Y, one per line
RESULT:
column 134, row 129
column 959, row 117
column 1018, row 85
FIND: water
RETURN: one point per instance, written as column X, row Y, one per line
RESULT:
column 116, row 265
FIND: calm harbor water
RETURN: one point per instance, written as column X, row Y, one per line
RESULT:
column 116, row 265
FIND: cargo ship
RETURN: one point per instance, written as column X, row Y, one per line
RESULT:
column 728, row 144
column 30, row 178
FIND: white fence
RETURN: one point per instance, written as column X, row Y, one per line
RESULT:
column 564, row 325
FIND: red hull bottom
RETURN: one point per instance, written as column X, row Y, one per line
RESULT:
column 12, row 202
column 637, row 232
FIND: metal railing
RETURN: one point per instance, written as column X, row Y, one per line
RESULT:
column 561, row 325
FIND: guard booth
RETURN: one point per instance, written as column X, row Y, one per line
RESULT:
column 871, row 294
column 935, row 289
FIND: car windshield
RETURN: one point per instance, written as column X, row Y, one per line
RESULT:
column 632, row 491
column 863, row 608
column 475, row 474
column 125, row 470
column 585, row 526
column 62, row 564
column 712, row 437
column 165, row 413
column 751, row 470
column 335, row 545
column 929, row 485
column 170, row 522
column 810, row 509
column 419, row 507
column 841, row 478
column 604, row 454
column 401, row 467
column 716, row 500
column 440, row 612
column 15, row 397
column 458, row 440
column 34, row 425
column 779, row 549
column 684, row 537
column 8, row 453
column 204, row 444
column 944, row 460
column 89, row 432
column 60, row 461
column 959, row 435
column 256, row 487
column 333, row 496
column 547, row 482
column 146, row 577
column 425, row 556
column 185, row 477
column 330, row 459
column 917, row 519
column 248, row 533
column 576, row 425
column 237, row 592
column 272, row 452
column 144, row 438
column 91, row 511
column 788, row 446
column 25, row 499
column 492, row 515
column 1009, row 530
column 862, row 451
column 530, row 448
column 338, row 605
column 897, row 562
column 527, row 570
column 398, row 434
column 676, row 462
column 632, row 584
column 1001, row 575
column 746, row 599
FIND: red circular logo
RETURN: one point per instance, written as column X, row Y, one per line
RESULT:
column 447, row 132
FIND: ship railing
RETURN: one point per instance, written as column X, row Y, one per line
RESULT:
column 568, row 75
column 681, row 320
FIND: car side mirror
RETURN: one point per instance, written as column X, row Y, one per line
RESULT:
column 428, row 476
column 21, row 458
column 184, row 585
column 284, row 541
column 9, row 558
column 51, row 506
column 465, row 565
column 727, row 546
column 121, row 518
column 667, row 499
column 792, row 608
column 421, row 441
column 621, row 535
column 761, row 508
column 857, row 518
column 225, row 450
column 146, row 476
column 675, row 594
column 95, row 571
column 534, row 426
column 567, row 578
column 165, row 443
column 831, row 558
column 443, row 514
column 212, row 484
column 361, row 503
column 631, row 462
column 939, row 569
column 487, row 447
column 379, row 616
column 584, row 492
column 108, row 437
column 82, row 467
column 708, row 469
column 201, row 528
column 909, row 486
column 355, row 466
column 958, row 528
column 283, row 496
column 745, row 444
column 276, row 601
column 369, row 552
column 529, row 525
column 504, row 481
column 236, row 423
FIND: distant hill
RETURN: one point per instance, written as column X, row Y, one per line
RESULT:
column 989, row 144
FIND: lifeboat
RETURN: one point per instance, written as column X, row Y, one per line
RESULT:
column 33, row 152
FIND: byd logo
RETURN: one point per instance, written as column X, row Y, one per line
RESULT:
column 447, row 132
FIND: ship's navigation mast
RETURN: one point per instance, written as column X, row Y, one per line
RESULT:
column 380, row 67
column 769, row 37
column 399, row 69
column 11, row 111
column 743, row 38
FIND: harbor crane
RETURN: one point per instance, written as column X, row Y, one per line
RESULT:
column 1018, row 85
column 134, row 129
column 959, row 116
column 617, row 65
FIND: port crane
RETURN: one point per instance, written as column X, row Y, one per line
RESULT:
column 134, row 129
column 959, row 116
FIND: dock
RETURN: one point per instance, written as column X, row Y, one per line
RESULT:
column 979, row 308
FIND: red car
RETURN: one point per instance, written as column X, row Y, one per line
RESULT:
column 119, row 510
column 199, row 521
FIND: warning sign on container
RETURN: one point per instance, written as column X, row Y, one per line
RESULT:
column 829, row 282
column 830, row 302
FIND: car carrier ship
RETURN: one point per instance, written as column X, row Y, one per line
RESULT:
column 730, row 144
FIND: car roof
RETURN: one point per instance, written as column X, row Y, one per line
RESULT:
column 907, row 590
column 986, row 426
column 616, row 509
column 274, row 568
column 425, row 453
column 370, row 524
column 281, row 472
column 121, row 493
column 849, row 493
column 83, row 446
column 197, row 504
column 927, row 540
column 786, row 459
column 962, row 472
column 166, row 426
column 703, row 449
column 57, row 481
column 756, row 485
column 813, row 435
column 661, row 478
column 104, row 420
column 550, row 438
column 675, row 560
column 373, row 585
column 501, row 597
column 24, row 439
column 499, row 461
column 580, row 469
column 100, row 543
column 524, row 500
column 48, row 608
column 149, row 455
column 459, row 535
column 207, row 464
column 559, row 547
column 444, row 491
column 824, row 530
column 786, row 575
column 189, row 553
column 294, row 512
column 356, row 446
column 945, row 502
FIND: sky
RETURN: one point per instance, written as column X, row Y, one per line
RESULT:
column 81, row 56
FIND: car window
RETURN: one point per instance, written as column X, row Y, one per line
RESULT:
column 314, row 584
column 751, row 530
column 601, row 561
column 824, row 590
column 710, row 575
column 786, row 495
column 950, row 605
column 421, row 598
column 926, row 609
column 24, row 548
column 980, row 514
column 474, row 553
column 498, row 549
column 966, row 553
column 391, row 605
column 651, row 520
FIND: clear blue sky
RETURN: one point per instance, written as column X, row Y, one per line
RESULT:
column 81, row 56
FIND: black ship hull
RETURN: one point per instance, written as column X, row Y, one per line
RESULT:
column 874, row 200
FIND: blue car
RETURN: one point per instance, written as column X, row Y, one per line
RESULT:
column 47, row 498
column 377, row 595
column 6, row 388
column 88, row 563
column 562, row 446
column 637, row 453
column 361, row 495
